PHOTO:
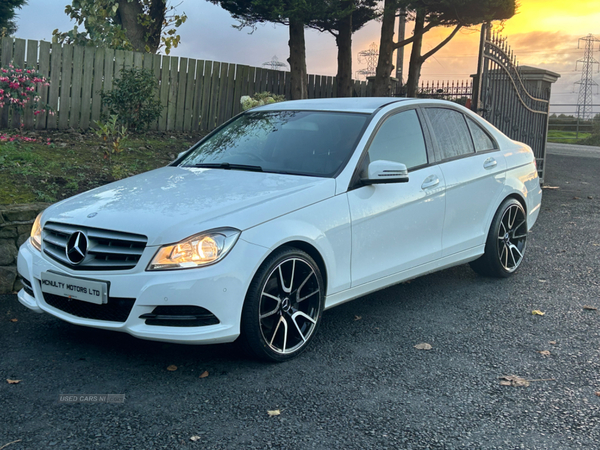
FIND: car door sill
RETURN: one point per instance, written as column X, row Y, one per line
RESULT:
column 367, row 288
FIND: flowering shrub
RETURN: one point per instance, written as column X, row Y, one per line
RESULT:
column 18, row 89
column 259, row 99
column 19, row 138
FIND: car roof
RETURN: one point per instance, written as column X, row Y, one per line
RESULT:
column 349, row 104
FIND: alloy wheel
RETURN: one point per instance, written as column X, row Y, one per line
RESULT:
column 512, row 237
column 290, row 305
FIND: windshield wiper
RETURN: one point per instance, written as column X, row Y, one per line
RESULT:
column 228, row 166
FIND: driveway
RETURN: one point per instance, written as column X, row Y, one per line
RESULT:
column 363, row 384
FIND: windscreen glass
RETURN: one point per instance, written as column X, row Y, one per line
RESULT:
column 314, row 143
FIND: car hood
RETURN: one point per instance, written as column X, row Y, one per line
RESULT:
column 172, row 203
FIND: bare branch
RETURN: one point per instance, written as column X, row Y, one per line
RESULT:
column 441, row 44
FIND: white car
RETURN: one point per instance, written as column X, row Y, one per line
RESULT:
column 285, row 211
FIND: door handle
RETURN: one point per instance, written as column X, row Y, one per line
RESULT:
column 430, row 181
column 490, row 163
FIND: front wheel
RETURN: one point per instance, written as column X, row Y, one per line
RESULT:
column 506, row 241
column 283, row 306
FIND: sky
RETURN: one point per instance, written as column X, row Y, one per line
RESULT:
column 543, row 33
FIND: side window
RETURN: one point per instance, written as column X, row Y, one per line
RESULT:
column 451, row 133
column 400, row 139
column 480, row 138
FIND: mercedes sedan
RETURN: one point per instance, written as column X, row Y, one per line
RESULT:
column 285, row 211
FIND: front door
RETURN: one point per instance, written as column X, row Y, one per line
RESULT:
column 397, row 226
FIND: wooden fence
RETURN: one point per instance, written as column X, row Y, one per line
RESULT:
column 197, row 95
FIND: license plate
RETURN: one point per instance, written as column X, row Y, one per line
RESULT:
column 76, row 288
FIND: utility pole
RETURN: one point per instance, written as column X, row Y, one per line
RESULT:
column 586, row 84
column 400, row 51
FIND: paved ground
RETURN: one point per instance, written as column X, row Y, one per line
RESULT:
column 573, row 150
column 363, row 384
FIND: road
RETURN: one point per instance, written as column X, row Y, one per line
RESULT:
column 363, row 384
column 585, row 151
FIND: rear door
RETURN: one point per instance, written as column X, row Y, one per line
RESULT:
column 474, row 170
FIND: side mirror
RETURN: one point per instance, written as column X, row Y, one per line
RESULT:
column 181, row 154
column 381, row 172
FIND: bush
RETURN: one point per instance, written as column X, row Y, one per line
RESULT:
column 259, row 99
column 110, row 131
column 133, row 99
column 18, row 89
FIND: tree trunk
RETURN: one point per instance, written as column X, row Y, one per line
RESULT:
column 127, row 16
column 297, row 60
column 382, row 85
column 416, row 61
column 343, row 41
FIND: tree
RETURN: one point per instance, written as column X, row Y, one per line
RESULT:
column 342, row 18
column 294, row 13
column 7, row 15
column 140, row 25
column 428, row 14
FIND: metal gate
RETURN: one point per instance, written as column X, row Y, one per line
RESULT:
column 504, row 98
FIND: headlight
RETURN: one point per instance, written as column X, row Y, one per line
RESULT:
column 36, row 232
column 196, row 251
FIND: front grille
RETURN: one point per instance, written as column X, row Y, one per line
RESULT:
column 180, row 316
column 116, row 310
column 27, row 286
column 106, row 249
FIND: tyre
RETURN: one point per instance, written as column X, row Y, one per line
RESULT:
column 283, row 306
column 506, row 241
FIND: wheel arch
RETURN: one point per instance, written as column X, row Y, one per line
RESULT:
column 517, row 196
column 312, row 251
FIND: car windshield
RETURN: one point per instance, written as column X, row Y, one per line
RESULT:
column 315, row 143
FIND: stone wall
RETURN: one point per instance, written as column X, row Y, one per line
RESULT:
column 15, row 226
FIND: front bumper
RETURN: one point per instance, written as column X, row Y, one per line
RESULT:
column 220, row 289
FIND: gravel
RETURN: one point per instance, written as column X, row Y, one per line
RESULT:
column 362, row 384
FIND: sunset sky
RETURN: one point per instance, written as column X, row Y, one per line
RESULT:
column 543, row 33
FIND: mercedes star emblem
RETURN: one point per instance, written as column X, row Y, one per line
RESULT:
column 77, row 247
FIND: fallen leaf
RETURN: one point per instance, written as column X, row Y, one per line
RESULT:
column 598, row 393
column 590, row 197
column 550, row 187
column 357, row 317
column 552, row 342
column 172, row 368
column 513, row 380
column 423, row 346
column 13, row 442
column 273, row 412
column 204, row 374
column 537, row 312
column 576, row 198
column 195, row 438
column 14, row 320
column 590, row 308
column 13, row 381
column 544, row 353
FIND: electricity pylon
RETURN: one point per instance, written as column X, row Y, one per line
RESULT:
column 586, row 84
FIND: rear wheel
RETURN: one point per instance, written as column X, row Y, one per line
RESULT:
column 506, row 241
column 283, row 306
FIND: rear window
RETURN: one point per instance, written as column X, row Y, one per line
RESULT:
column 481, row 139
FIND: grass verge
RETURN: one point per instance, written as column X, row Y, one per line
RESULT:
column 567, row 137
column 57, row 165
